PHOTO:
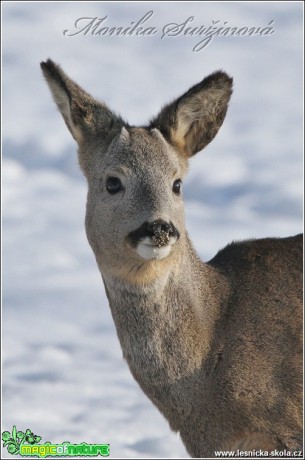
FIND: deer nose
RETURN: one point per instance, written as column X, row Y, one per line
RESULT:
column 159, row 232
column 159, row 227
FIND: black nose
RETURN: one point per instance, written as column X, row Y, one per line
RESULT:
column 159, row 227
column 158, row 231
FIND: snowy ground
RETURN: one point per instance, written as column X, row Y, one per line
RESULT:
column 63, row 372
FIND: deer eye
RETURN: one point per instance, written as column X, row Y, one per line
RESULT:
column 177, row 186
column 113, row 185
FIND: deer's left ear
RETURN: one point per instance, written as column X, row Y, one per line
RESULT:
column 193, row 120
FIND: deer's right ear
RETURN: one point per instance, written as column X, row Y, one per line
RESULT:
column 84, row 116
column 193, row 120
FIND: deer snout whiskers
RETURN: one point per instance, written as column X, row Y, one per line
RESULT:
column 154, row 240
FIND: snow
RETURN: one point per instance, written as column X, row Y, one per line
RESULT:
column 63, row 372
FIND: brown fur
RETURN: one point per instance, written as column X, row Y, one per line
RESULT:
column 217, row 347
column 191, row 122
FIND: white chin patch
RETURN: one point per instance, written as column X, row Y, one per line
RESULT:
column 150, row 252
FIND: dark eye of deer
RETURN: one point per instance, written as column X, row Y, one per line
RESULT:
column 113, row 185
column 177, row 186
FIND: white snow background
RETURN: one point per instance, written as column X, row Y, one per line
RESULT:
column 63, row 372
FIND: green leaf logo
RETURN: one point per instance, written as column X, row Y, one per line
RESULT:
column 14, row 439
column 6, row 435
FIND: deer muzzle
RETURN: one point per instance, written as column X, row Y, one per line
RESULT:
column 154, row 240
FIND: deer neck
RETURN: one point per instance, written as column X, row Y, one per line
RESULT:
column 159, row 322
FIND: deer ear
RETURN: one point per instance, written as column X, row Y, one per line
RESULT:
column 193, row 120
column 83, row 115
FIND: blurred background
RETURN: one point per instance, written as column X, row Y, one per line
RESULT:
column 63, row 372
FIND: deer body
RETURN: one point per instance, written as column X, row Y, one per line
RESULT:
column 217, row 347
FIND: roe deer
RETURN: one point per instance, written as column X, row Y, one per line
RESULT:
column 216, row 346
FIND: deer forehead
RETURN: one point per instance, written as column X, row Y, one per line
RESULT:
column 138, row 150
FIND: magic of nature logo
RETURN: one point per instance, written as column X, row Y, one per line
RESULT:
column 26, row 443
